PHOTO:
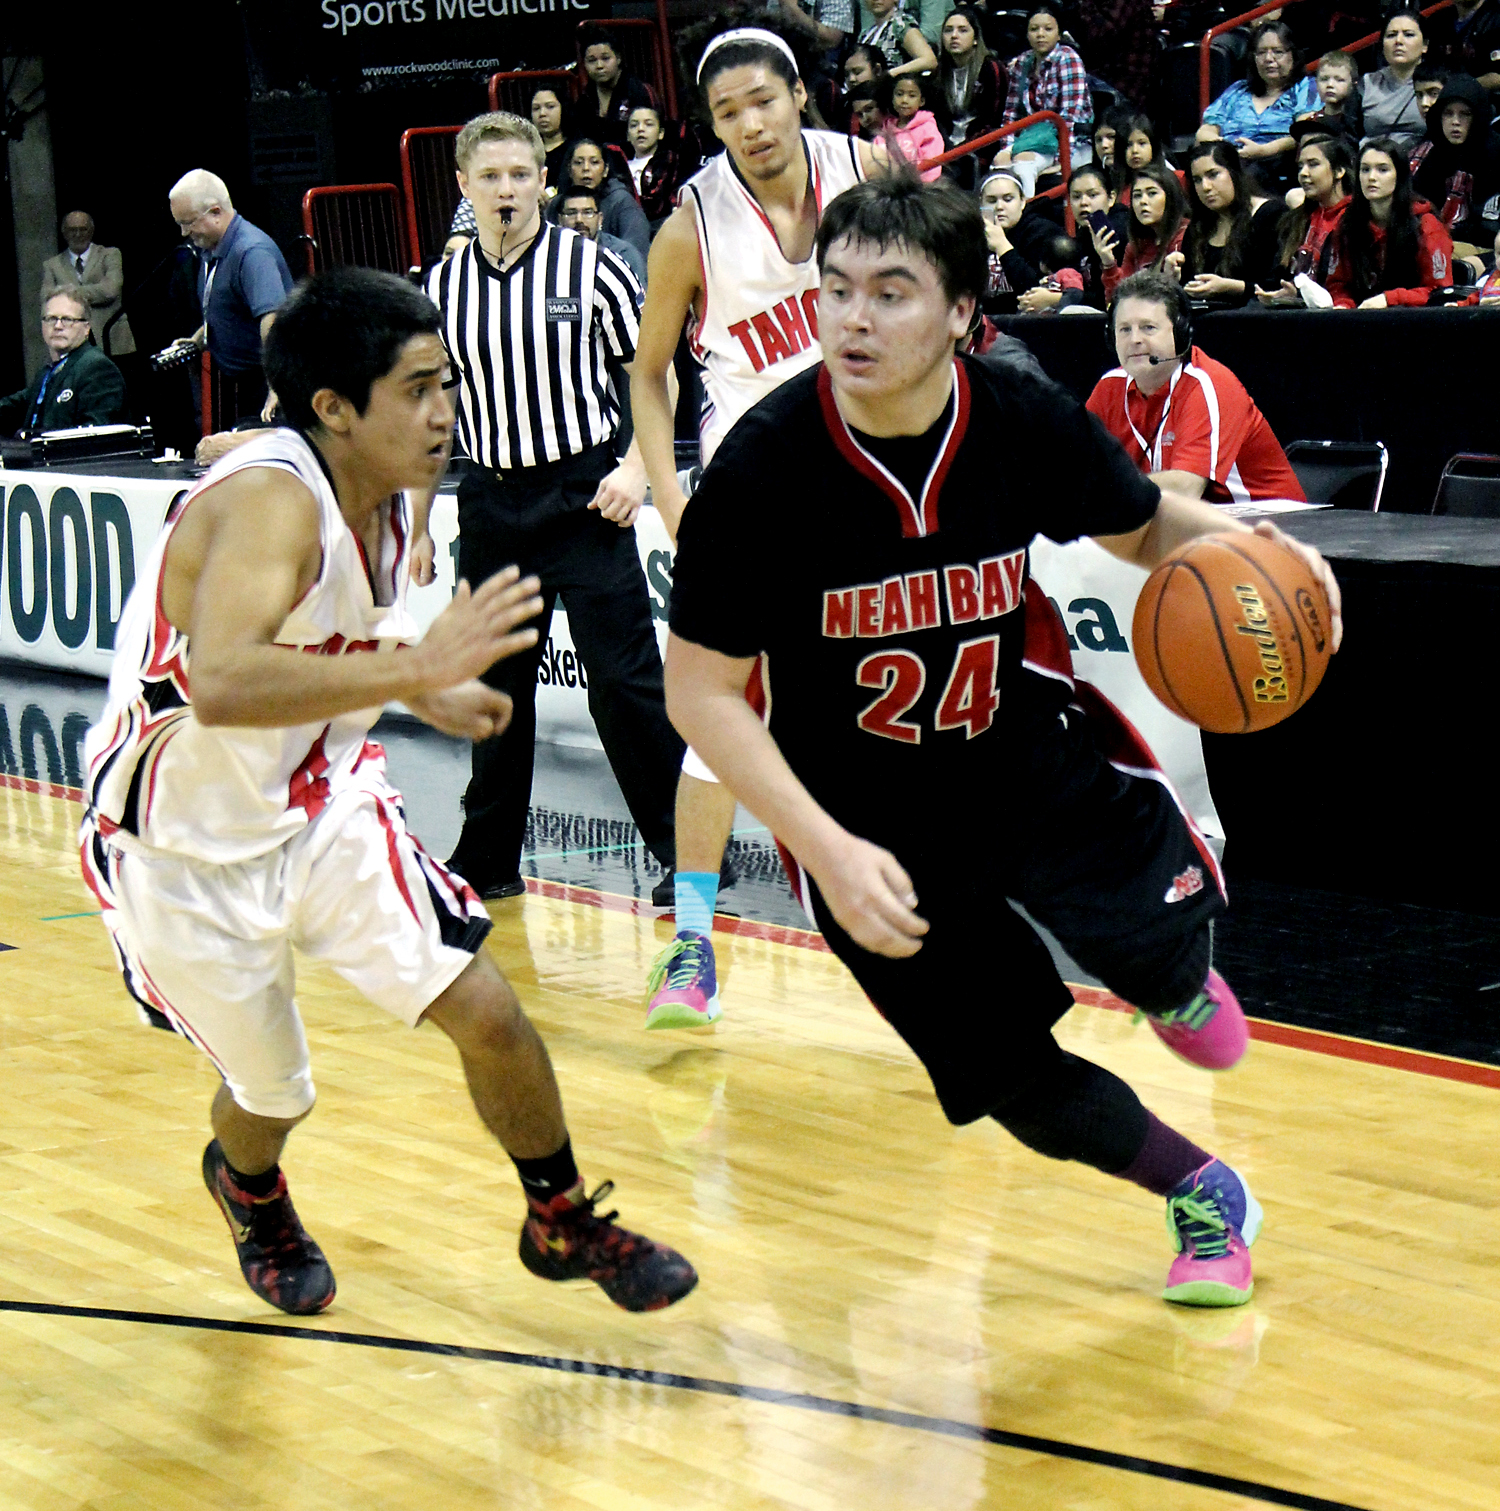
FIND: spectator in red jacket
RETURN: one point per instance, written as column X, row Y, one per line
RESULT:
column 1391, row 248
column 1307, row 235
column 1158, row 221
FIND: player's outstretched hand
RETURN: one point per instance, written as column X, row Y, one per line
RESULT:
column 1320, row 569
column 478, row 628
column 471, row 711
column 872, row 898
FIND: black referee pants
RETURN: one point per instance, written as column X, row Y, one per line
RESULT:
column 543, row 525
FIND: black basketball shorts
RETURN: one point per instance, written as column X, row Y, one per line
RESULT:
column 1097, row 849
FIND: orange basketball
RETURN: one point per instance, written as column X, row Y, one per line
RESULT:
column 1232, row 632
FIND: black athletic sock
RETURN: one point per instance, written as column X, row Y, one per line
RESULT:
column 255, row 1185
column 550, row 1176
column 1076, row 1110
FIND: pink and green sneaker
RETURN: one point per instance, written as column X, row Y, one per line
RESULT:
column 1212, row 1219
column 1210, row 1032
column 682, row 990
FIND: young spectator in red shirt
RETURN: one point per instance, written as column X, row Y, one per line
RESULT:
column 1391, row 248
column 1307, row 235
column 1158, row 221
column 1184, row 419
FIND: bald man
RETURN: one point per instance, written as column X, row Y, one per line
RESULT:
column 242, row 280
column 98, row 273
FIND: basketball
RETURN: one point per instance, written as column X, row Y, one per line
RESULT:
column 1232, row 632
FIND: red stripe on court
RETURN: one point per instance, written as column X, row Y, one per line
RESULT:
column 46, row 789
column 1445, row 1067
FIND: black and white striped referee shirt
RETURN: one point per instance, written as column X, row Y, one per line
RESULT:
column 529, row 346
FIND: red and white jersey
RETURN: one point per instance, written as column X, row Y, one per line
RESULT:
column 758, row 324
column 158, row 777
column 1202, row 422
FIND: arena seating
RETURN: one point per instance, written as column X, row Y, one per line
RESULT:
column 354, row 224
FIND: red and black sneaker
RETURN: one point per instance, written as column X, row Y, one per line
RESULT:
column 280, row 1263
column 566, row 1239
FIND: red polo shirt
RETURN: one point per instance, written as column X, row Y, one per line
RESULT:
column 1202, row 422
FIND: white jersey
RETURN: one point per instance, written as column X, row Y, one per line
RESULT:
column 159, row 778
column 758, row 325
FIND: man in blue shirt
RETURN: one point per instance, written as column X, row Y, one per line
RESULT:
column 242, row 279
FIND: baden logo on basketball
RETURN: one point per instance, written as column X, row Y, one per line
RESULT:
column 1270, row 688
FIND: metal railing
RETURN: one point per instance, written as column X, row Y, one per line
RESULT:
column 430, row 187
column 353, row 225
column 1375, row 36
column 1064, row 151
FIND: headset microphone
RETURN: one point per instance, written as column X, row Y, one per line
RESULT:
column 1157, row 361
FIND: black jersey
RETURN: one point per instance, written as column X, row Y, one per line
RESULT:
column 906, row 650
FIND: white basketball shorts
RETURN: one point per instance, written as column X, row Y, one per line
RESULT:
column 209, row 947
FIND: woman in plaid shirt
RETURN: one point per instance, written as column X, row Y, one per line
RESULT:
column 1049, row 77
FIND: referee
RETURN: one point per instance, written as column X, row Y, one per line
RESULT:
column 535, row 317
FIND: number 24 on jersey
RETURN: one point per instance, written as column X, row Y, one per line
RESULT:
column 968, row 702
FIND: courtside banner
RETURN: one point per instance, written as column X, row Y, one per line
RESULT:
column 68, row 556
column 375, row 44
column 71, row 544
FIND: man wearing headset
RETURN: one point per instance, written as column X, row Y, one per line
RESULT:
column 1184, row 419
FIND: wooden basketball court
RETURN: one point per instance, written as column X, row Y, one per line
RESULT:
column 893, row 1314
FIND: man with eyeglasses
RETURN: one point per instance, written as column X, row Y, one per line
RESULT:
column 242, row 280
column 578, row 209
column 78, row 386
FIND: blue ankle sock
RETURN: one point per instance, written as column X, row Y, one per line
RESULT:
column 697, row 891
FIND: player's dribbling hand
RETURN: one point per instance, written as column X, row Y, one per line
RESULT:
column 478, row 628
column 470, row 711
column 873, row 900
column 1320, row 569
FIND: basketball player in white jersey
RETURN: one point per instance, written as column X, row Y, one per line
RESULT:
column 735, row 263
column 235, row 808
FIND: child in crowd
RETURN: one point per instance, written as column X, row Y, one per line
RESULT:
column 1340, row 112
column 1457, row 166
column 866, row 118
column 909, row 123
column 1137, row 145
column 658, row 169
column 1058, row 261
column 1428, row 81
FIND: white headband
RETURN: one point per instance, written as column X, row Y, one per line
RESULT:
column 747, row 34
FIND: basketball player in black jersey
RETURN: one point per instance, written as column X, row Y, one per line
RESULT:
column 924, row 713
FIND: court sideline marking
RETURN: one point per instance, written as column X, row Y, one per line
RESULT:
column 795, row 1400
column 1317, row 1041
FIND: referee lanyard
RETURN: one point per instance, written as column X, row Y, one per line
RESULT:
column 1151, row 450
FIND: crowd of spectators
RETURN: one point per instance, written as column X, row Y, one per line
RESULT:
column 1367, row 179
